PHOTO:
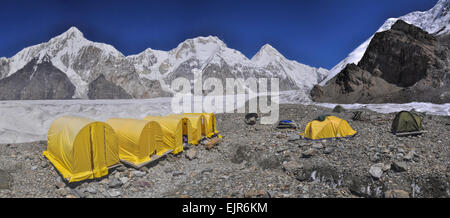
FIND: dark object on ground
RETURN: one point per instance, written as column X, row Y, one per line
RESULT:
column 4, row 180
column 359, row 116
column 286, row 124
column 322, row 117
column 338, row 109
column 406, row 123
column 251, row 118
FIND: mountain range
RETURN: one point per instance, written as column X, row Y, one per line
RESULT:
column 70, row 66
column 97, row 70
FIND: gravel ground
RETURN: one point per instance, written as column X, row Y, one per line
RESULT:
column 261, row 161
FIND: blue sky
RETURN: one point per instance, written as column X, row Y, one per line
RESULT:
column 319, row 33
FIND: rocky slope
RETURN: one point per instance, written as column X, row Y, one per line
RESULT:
column 262, row 161
column 39, row 79
column 435, row 21
column 150, row 73
column 402, row 64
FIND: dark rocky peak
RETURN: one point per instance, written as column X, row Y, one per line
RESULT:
column 402, row 55
column 411, row 31
column 101, row 88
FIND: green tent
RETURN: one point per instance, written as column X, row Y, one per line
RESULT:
column 338, row 109
column 405, row 122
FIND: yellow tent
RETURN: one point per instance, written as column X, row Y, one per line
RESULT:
column 81, row 148
column 138, row 140
column 211, row 124
column 331, row 127
column 195, row 123
column 172, row 129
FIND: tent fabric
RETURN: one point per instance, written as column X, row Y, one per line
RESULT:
column 406, row 121
column 81, row 148
column 195, row 123
column 138, row 140
column 172, row 129
column 211, row 124
column 198, row 118
column 331, row 127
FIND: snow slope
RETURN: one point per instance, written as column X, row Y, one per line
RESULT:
column 434, row 21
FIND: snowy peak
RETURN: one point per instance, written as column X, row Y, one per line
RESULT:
column 266, row 55
column 72, row 32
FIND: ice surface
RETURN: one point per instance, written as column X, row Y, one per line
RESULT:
column 27, row 121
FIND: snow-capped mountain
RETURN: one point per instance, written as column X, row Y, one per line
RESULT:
column 83, row 61
column 149, row 74
column 213, row 58
column 273, row 61
column 189, row 56
column 434, row 21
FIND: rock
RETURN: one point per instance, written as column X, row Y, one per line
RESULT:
column 376, row 171
column 121, row 168
column 309, row 153
column 317, row 146
column 177, row 174
column 282, row 148
column 191, row 154
column 60, row 185
column 61, row 192
column 280, row 135
column 139, row 173
column 292, row 166
column 409, row 156
column 328, row 150
column 114, row 193
column 44, row 164
column 124, row 180
column 399, row 166
column 363, row 187
column 293, row 137
column 78, row 193
column 396, row 194
column 207, row 170
column 71, row 196
column 375, row 157
column 249, row 194
column 242, row 153
column 104, row 181
column 91, row 190
column 211, row 143
column 263, row 194
column 114, row 183
column 144, row 184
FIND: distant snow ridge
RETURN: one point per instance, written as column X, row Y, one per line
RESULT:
column 212, row 57
column 434, row 21
column 84, row 61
